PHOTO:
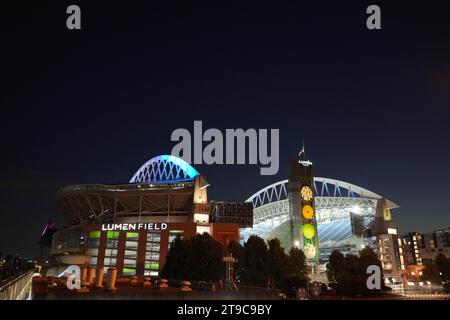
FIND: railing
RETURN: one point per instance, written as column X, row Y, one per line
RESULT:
column 17, row 288
column 125, row 187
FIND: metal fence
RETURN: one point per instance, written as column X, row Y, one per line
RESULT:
column 18, row 288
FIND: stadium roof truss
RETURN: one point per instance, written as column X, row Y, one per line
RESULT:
column 273, row 201
column 165, row 168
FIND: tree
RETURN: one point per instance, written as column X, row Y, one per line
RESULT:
column 296, row 274
column 348, row 275
column 335, row 268
column 368, row 257
column 430, row 273
column 297, row 264
column 443, row 265
column 277, row 263
column 254, row 262
column 354, row 277
column 438, row 272
column 174, row 259
column 197, row 258
column 207, row 254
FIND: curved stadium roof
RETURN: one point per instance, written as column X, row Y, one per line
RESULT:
column 163, row 185
column 323, row 187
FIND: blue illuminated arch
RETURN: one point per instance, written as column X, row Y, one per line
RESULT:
column 165, row 168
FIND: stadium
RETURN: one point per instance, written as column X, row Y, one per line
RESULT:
column 348, row 217
column 130, row 226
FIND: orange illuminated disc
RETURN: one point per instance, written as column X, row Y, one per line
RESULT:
column 308, row 211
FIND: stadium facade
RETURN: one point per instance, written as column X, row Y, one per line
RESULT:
column 130, row 226
column 348, row 219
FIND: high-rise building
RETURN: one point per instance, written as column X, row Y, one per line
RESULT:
column 424, row 247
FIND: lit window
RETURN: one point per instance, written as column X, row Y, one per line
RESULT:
column 94, row 234
column 131, row 245
column 130, row 254
column 129, row 271
column 112, row 234
column 92, row 252
column 132, row 235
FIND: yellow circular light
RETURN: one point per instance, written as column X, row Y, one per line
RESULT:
column 308, row 231
column 306, row 193
column 308, row 211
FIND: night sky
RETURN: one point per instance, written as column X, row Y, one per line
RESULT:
column 91, row 106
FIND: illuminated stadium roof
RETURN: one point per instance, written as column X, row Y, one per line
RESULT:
column 165, row 168
column 339, row 207
column 162, row 186
column 323, row 187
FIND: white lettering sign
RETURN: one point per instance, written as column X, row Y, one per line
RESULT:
column 134, row 226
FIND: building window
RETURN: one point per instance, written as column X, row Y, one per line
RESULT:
column 112, row 243
column 173, row 234
column 133, row 236
column 93, row 244
column 129, row 271
column 153, row 246
column 94, row 234
column 131, row 247
column 130, row 254
column 112, row 234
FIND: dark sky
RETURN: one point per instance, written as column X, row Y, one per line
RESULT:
column 91, row 106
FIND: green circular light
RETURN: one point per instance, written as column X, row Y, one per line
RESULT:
column 308, row 231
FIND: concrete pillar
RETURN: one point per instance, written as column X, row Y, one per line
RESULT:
column 134, row 282
column 84, row 274
column 99, row 278
column 186, row 286
column 91, row 275
column 147, row 283
column 163, row 283
column 112, row 275
column 84, row 277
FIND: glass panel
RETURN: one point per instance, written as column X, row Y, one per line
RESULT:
column 131, row 245
column 153, row 247
column 92, row 252
column 130, row 254
column 154, row 265
column 111, row 252
column 94, row 243
column 112, row 243
column 129, row 263
column 154, row 237
column 129, row 271
column 112, row 234
column 175, row 233
column 152, row 256
column 93, row 261
column 110, row 262
column 132, row 235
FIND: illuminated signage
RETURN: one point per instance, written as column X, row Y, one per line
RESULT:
column 134, row 226
column 392, row 231
column 305, row 163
